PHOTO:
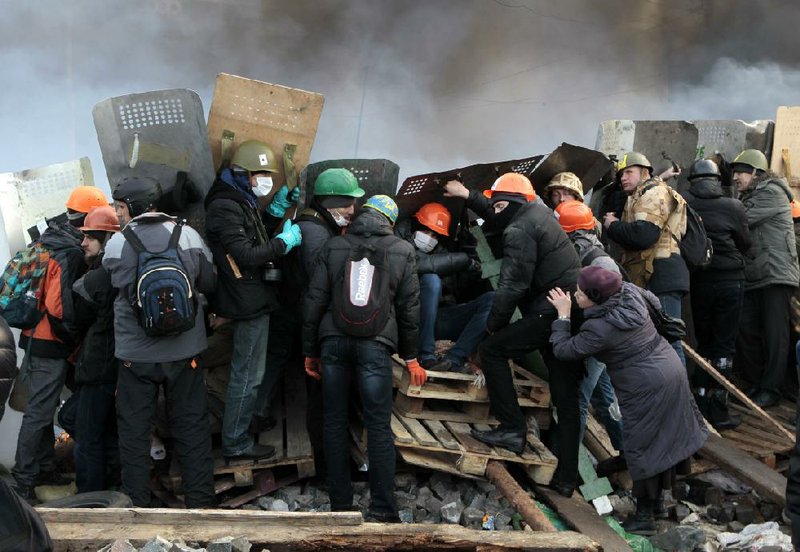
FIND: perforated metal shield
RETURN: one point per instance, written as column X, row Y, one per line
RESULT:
column 588, row 165
column 29, row 197
column 375, row 176
column 729, row 138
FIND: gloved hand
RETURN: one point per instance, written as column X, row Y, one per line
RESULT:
column 312, row 368
column 474, row 265
column 417, row 372
column 282, row 201
column 291, row 235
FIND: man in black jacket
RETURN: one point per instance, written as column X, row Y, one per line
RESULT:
column 537, row 256
column 240, row 243
column 343, row 355
column 717, row 291
column 96, row 368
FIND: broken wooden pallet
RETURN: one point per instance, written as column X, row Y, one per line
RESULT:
column 449, row 446
column 756, row 437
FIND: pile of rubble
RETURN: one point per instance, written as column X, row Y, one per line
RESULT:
column 159, row 544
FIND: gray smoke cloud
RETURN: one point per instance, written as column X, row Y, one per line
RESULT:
column 428, row 84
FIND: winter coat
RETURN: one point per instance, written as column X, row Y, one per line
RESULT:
column 54, row 335
column 94, row 307
column 725, row 222
column 661, row 423
column 241, row 248
column 439, row 261
column 8, row 362
column 402, row 329
column 772, row 259
column 591, row 251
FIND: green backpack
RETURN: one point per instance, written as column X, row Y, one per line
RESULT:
column 21, row 287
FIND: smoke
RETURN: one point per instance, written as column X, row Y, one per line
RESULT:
column 429, row 85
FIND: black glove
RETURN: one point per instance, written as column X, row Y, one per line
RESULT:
column 474, row 265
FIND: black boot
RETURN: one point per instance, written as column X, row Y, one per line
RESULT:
column 643, row 521
column 718, row 413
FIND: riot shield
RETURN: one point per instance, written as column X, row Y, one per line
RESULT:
column 722, row 141
column 589, row 165
column 245, row 109
column 29, row 197
column 785, row 159
column 375, row 176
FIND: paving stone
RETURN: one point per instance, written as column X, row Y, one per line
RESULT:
column 679, row 512
column 405, row 500
column 118, row 545
column 745, row 514
column 770, row 511
column 289, row 494
column 406, row 515
column 405, row 481
column 279, row 505
column 451, row 512
column 713, row 496
column 472, row 518
column 484, row 486
column 683, row 538
column 156, row 544
column 478, row 502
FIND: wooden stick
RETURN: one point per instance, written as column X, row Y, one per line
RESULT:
column 736, row 392
column 496, row 473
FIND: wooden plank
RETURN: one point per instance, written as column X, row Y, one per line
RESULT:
column 405, row 404
column 462, row 433
column 440, row 432
column 767, row 482
column 437, row 461
column 401, row 434
column 194, row 517
column 520, row 500
column 420, row 434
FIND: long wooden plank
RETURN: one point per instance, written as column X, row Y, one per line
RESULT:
column 769, row 483
column 194, row 518
column 519, row 499
column 419, row 432
column 401, row 434
column 440, row 432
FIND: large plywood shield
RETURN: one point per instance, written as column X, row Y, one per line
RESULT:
column 589, row 165
column 615, row 138
column 785, row 158
column 245, row 109
column 375, row 176
column 418, row 190
column 29, row 197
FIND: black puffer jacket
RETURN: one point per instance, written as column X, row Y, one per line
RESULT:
column 94, row 308
column 8, row 363
column 402, row 329
column 235, row 229
column 439, row 261
column 726, row 225
column 537, row 256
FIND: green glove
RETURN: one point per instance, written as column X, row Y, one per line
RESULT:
column 291, row 235
column 282, row 201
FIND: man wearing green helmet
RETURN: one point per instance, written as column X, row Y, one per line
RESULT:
column 771, row 276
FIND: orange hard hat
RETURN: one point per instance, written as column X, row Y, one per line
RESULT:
column 795, row 209
column 101, row 219
column 434, row 216
column 85, row 198
column 512, row 183
column 574, row 215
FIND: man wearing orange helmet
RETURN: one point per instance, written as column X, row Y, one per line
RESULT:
column 537, row 256
column 441, row 317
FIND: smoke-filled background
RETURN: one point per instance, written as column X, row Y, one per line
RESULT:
column 429, row 84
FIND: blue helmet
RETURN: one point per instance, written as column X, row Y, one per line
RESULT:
column 384, row 205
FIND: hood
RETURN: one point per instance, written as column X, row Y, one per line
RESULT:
column 226, row 187
column 706, row 188
column 60, row 235
column 770, row 178
column 625, row 309
column 584, row 239
column 370, row 223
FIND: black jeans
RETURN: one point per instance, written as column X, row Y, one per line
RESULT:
column 187, row 410
column 370, row 362
column 95, row 436
column 515, row 341
column 764, row 337
column 716, row 310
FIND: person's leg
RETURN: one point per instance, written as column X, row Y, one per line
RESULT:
column 187, row 408
column 564, row 377
column 749, row 342
column 137, row 392
column 593, row 370
column 35, row 454
column 247, row 371
column 466, row 325
column 430, row 291
column 703, row 299
column 282, row 348
column 604, row 399
column 776, row 319
column 375, row 386
column 95, row 408
column 725, row 319
column 338, row 363
column 671, row 303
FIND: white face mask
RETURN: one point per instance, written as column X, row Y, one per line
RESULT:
column 424, row 242
column 263, row 186
column 338, row 218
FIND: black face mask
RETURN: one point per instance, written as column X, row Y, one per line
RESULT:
column 499, row 221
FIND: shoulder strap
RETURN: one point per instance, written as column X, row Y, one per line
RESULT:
column 176, row 235
column 133, row 239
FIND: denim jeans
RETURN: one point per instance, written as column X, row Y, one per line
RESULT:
column 370, row 363
column 596, row 389
column 96, row 436
column 430, row 291
column 671, row 303
column 247, row 372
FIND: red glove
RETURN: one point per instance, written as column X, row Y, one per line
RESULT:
column 312, row 368
column 417, row 372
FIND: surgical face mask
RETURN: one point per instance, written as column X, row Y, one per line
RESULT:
column 338, row 218
column 424, row 242
column 263, row 186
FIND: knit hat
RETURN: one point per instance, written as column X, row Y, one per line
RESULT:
column 598, row 283
column 385, row 205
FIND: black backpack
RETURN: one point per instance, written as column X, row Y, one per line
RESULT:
column 361, row 302
column 162, row 296
column 696, row 247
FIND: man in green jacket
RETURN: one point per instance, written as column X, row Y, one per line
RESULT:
column 771, row 276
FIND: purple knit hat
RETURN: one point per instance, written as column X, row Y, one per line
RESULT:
column 598, row 283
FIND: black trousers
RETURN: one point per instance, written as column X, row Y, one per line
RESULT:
column 716, row 310
column 764, row 337
column 187, row 411
column 515, row 341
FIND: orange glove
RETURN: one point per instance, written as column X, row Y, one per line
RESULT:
column 417, row 372
column 312, row 368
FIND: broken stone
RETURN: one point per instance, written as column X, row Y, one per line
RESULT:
column 478, row 502
column 770, row 511
column 405, row 500
column 724, row 481
column 405, row 481
column 502, row 520
column 249, row 506
column 441, row 489
column 265, row 502
column 745, row 514
column 406, row 515
column 156, row 544
column 680, row 491
column 683, row 538
column 181, row 546
column 360, row 486
column 472, row 518
column 451, row 512
column 118, row 545
column 289, row 494
column 230, row 544
column 713, row 496
column 364, row 499
column 432, row 504
column 735, row 527
column 485, row 487
column 623, row 506
column 303, row 501
column 679, row 512
column 279, row 505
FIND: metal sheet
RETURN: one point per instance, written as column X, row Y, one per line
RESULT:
column 674, row 139
column 615, row 137
column 786, row 137
column 31, row 196
column 729, row 138
column 588, row 165
column 376, row 176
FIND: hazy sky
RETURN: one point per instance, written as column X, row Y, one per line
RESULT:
column 431, row 84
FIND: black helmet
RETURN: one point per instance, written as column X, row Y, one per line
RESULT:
column 704, row 167
column 139, row 193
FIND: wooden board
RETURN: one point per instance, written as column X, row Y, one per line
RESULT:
column 786, row 137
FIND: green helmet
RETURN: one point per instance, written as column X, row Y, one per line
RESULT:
column 337, row 182
column 752, row 158
column 633, row 159
column 255, row 156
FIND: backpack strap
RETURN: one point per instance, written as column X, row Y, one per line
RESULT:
column 176, row 235
column 139, row 247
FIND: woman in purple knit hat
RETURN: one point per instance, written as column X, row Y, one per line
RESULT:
column 662, row 425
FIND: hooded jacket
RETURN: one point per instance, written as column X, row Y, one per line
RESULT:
column 402, row 328
column 94, row 306
column 772, row 259
column 591, row 251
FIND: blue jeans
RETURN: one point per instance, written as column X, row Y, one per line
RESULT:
column 596, row 388
column 96, row 448
column 247, row 372
column 430, row 291
column 370, row 363
column 671, row 303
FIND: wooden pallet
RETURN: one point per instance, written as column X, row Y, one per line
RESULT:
column 448, row 446
column 757, row 438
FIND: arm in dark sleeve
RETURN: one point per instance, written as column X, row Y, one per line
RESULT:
column 516, row 275
column 314, row 237
column 635, row 236
column 741, row 234
column 315, row 304
column 566, row 347
column 443, row 264
column 406, row 308
column 225, row 220
column 479, row 205
column 271, row 223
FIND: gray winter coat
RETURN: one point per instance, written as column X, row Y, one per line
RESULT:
column 661, row 423
column 772, row 260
